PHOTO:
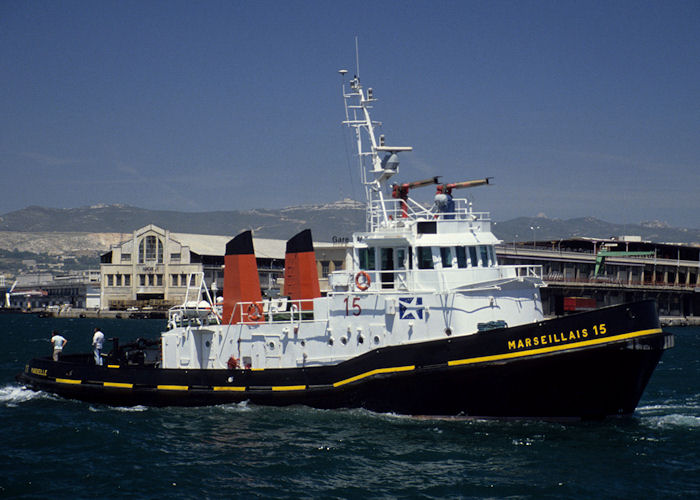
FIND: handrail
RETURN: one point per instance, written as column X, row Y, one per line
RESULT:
column 256, row 312
column 409, row 279
column 397, row 211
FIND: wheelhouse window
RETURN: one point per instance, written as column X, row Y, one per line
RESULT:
column 400, row 258
column 366, row 258
column 473, row 257
column 484, row 252
column 461, row 257
column 425, row 257
column 446, row 256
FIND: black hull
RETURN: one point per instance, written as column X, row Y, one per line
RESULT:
column 587, row 365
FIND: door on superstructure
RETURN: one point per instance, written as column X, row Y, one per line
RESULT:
column 204, row 339
column 387, row 266
column 401, row 260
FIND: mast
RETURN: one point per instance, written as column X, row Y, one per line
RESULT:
column 375, row 171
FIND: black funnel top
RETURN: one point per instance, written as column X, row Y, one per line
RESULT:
column 300, row 242
column 242, row 244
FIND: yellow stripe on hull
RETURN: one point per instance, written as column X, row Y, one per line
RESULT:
column 545, row 350
column 173, row 387
column 288, row 387
column 374, row 372
column 68, row 381
column 118, row 384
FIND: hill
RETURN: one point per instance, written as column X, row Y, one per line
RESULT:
column 71, row 230
column 339, row 219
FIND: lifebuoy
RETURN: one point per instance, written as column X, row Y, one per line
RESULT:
column 362, row 280
column 232, row 363
column 254, row 312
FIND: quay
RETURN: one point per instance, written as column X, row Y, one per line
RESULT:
column 148, row 273
column 613, row 271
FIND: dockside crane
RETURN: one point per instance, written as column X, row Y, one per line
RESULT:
column 603, row 254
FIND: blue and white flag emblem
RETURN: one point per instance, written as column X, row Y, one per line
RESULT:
column 411, row 308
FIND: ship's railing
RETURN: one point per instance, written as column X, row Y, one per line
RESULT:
column 605, row 280
column 427, row 280
column 198, row 308
column 280, row 310
column 389, row 213
column 526, row 271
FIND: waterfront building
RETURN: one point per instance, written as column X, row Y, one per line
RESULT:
column 155, row 267
column 611, row 271
column 46, row 291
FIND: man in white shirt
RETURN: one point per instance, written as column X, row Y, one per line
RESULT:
column 97, row 341
column 59, row 343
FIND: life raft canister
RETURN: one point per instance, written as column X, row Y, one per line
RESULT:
column 362, row 280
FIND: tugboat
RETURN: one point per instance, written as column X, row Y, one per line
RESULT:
column 423, row 320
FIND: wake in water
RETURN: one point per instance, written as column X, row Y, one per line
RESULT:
column 671, row 414
column 126, row 409
column 11, row 395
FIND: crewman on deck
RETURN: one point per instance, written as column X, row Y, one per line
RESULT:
column 59, row 343
column 97, row 341
column 444, row 202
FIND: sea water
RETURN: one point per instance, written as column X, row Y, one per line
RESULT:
column 55, row 448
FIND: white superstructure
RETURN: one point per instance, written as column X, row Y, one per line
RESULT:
column 416, row 274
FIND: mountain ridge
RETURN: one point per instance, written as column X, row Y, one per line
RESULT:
column 327, row 221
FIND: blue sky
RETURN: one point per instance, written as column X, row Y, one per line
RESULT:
column 576, row 108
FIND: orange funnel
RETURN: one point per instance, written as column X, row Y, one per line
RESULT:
column 241, row 281
column 300, row 273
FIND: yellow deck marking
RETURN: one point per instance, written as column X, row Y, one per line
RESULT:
column 288, row 387
column 118, row 384
column 544, row 350
column 228, row 388
column 173, row 387
column 374, row 372
column 68, row 381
